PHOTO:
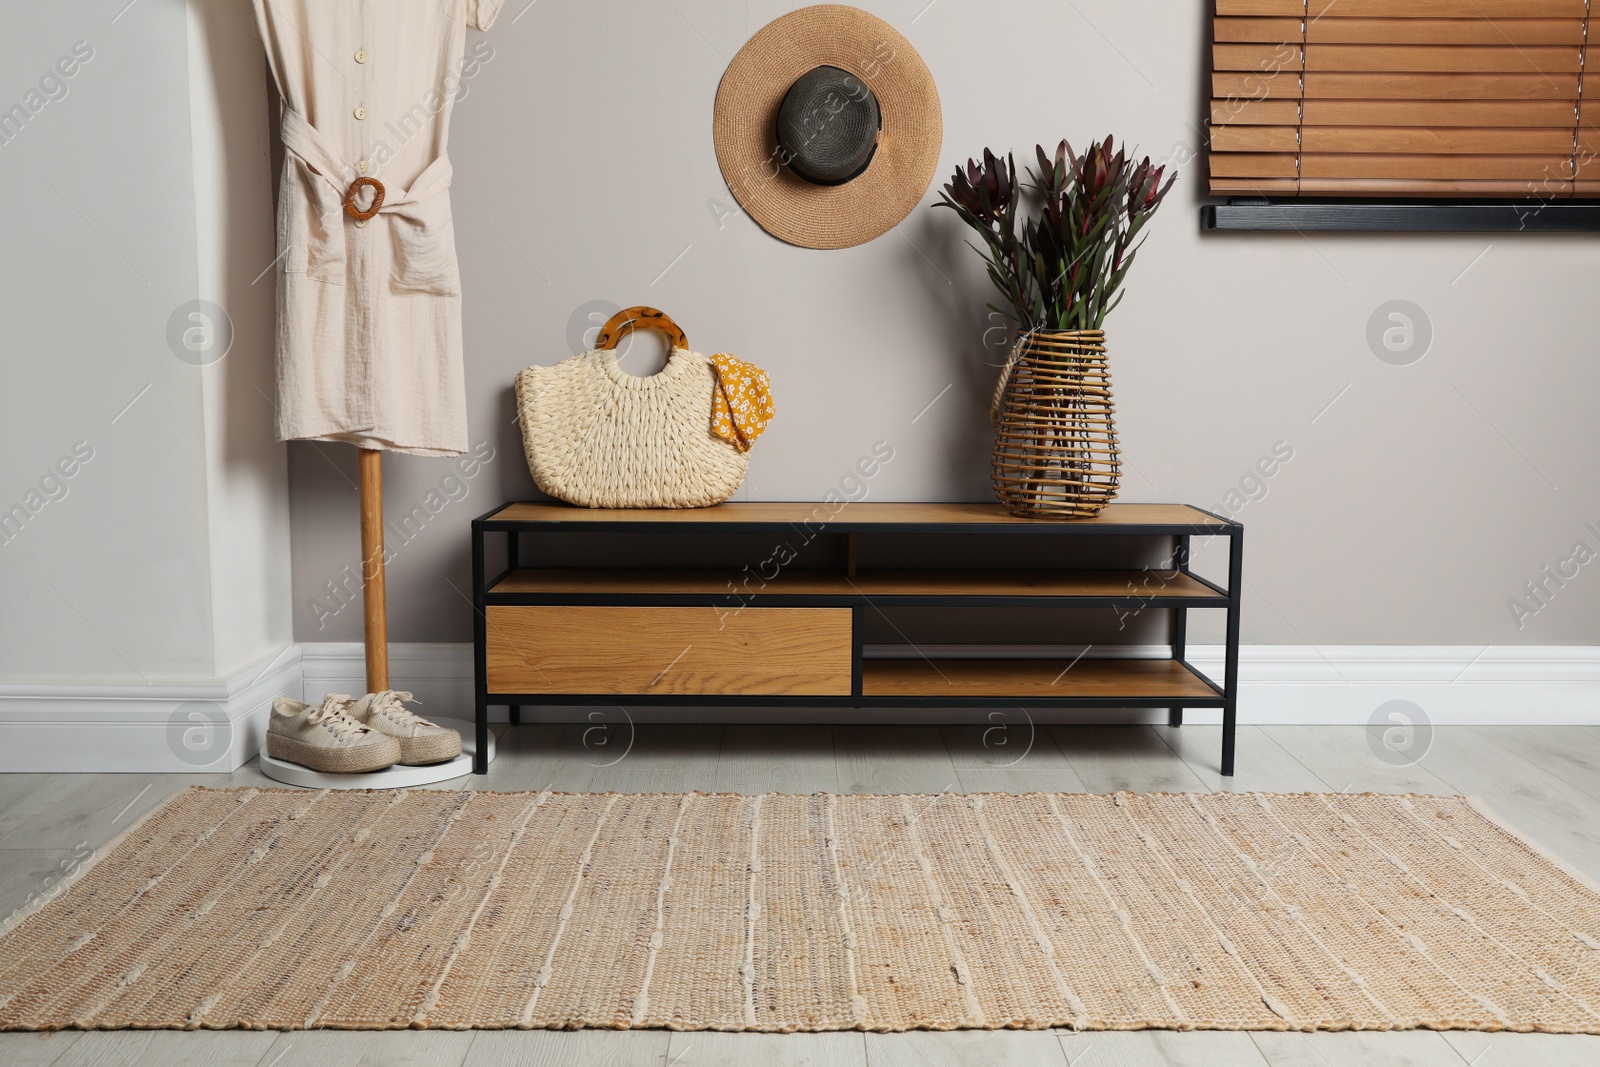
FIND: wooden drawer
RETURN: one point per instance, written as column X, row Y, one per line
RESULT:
column 669, row 651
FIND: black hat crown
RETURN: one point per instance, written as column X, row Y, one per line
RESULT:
column 828, row 126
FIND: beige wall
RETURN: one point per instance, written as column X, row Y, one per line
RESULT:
column 1413, row 509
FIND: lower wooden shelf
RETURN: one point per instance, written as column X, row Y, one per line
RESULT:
column 1033, row 678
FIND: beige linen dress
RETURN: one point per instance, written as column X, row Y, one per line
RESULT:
column 369, row 313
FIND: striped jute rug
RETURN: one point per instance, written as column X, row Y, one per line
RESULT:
column 277, row 909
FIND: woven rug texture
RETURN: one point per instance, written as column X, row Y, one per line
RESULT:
column 363, row 910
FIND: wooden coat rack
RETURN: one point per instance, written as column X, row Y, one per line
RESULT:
column 373, row 600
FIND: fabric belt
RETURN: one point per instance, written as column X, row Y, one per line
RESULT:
column 303, row 140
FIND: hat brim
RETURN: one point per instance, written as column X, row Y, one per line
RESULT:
column 744, row 127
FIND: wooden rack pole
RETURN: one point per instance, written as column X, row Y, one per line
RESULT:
column 373, row 598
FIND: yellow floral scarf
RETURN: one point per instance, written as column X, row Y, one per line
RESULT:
column 741, row 403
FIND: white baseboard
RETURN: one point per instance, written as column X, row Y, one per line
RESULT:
column 181, row 727
column 1330, row 684
column 150, row 728
column 1505, row 685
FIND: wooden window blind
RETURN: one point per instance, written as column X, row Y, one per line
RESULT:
column 1403, row 98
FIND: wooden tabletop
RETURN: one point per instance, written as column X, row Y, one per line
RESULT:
column 866, row 513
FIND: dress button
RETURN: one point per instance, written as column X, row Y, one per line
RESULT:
column 361, row 165
column 361, row 55
column 361, row 112
column 360, row 223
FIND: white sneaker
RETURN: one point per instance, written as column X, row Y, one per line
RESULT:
column 420, row 740
column 323, row 738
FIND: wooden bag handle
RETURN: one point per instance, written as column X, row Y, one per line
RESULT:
column 639, row 318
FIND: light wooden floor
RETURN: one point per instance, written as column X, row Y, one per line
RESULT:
column 1545, row 781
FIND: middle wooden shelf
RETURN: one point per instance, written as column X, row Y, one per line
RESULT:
column 592, row 585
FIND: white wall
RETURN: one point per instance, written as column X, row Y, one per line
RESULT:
column 155, row 577
column 1413, row 510
column 246, row 472
column 99, row 239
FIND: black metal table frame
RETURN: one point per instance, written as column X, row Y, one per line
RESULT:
column 1229, row 598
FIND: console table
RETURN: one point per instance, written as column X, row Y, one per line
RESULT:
column 769, row 605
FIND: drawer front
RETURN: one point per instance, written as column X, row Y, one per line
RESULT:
column 669, row 651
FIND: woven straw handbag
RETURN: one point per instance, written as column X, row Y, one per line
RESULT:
column 600, row 437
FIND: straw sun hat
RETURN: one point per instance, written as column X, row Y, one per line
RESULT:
column 827, row 127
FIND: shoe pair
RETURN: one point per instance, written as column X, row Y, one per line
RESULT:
column 345, row 735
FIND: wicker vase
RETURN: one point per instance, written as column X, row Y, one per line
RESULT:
column 1055, row 448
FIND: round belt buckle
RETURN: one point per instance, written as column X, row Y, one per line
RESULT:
column 350, row 199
